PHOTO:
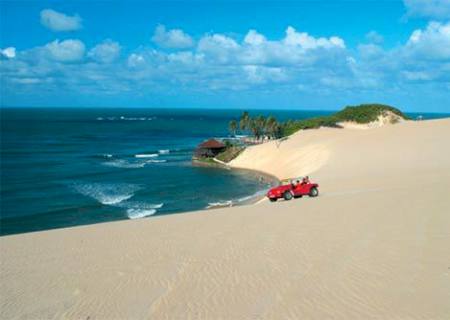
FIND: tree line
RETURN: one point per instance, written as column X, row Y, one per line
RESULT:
column 259, row 127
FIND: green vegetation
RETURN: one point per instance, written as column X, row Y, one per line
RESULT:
column 363, row 113
column 261, row 127
column 230, row 153
column 232, row 127
column 292, row 126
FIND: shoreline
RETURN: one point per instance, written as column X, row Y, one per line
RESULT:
column 251, row 199
column 365, row 248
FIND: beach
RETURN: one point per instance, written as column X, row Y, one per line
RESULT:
column 374, row 245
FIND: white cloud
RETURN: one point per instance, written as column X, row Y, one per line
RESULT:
column 436, row 9
column 370, row 51
column 304, row 40
column 296, row 61
column 430, row 43
column 374, row 37
column 135, row 60
column 255, row 49
column 66, row 51
column 219, row 48
column 262, row 75
column 174, row 38
column 57, row 21
column 9, row 52
column 105, row 52
column 254, row 38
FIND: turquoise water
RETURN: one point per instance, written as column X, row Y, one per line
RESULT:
column 67, row 167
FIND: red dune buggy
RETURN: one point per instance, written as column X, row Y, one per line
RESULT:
column 293, row 188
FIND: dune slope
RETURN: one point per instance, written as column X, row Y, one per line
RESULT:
column 374, row 245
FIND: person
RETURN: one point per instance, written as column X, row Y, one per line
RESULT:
column 294, row 183
column 305, row 180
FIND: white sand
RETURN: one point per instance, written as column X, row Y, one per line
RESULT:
column 374, row 245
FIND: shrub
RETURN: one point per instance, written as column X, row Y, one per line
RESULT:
column 364, row 113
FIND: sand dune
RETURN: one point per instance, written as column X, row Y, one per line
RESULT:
column 374, row 245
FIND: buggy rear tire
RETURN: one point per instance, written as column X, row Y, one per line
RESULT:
column 314, row 192
column 287, row 195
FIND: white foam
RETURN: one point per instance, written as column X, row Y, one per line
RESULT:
column 256, row 194
column 155, row 161
column 150, row 155
column 228, row 203
column 140, row 213
column 120, row 163
column 164, row 151
column 109, row 194
column 139, row 205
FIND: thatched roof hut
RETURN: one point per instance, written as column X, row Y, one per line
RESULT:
column 209, row 148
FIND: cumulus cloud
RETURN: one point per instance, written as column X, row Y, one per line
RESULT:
column 175, row 38
column 304, row 40
column 219, row 48
column 105, row 52
column 9, row 52
column 57, row 21
column 256, row 49
column 431, row 43
column 66, row 51
column 135, row 60
column 254, row 38
column 436, row 9
column 262, row 75
column 297, row 61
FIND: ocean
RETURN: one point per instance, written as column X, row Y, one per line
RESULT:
column 63, row 167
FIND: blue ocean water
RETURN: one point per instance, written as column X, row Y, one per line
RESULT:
column 66, row 167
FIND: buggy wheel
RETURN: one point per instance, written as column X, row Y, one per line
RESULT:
column 287, row 195
column 314, row 192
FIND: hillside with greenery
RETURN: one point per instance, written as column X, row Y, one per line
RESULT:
column 261, row 127
column 364, row 113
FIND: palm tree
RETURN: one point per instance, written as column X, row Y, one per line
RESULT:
column 261, row 124
column 232, row 126
column 254, row 128
column 244, row 122
column 270, row 126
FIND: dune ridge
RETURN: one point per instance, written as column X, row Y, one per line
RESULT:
column 374, row 245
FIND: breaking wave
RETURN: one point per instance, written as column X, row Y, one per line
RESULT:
column 108, row 194
column 138, row 210
column 150, row 155
column 121, row 163
column 138, row 213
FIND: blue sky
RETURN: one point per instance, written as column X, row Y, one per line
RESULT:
column 226, row 54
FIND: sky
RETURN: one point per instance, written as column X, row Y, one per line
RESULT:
column 226, row 54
